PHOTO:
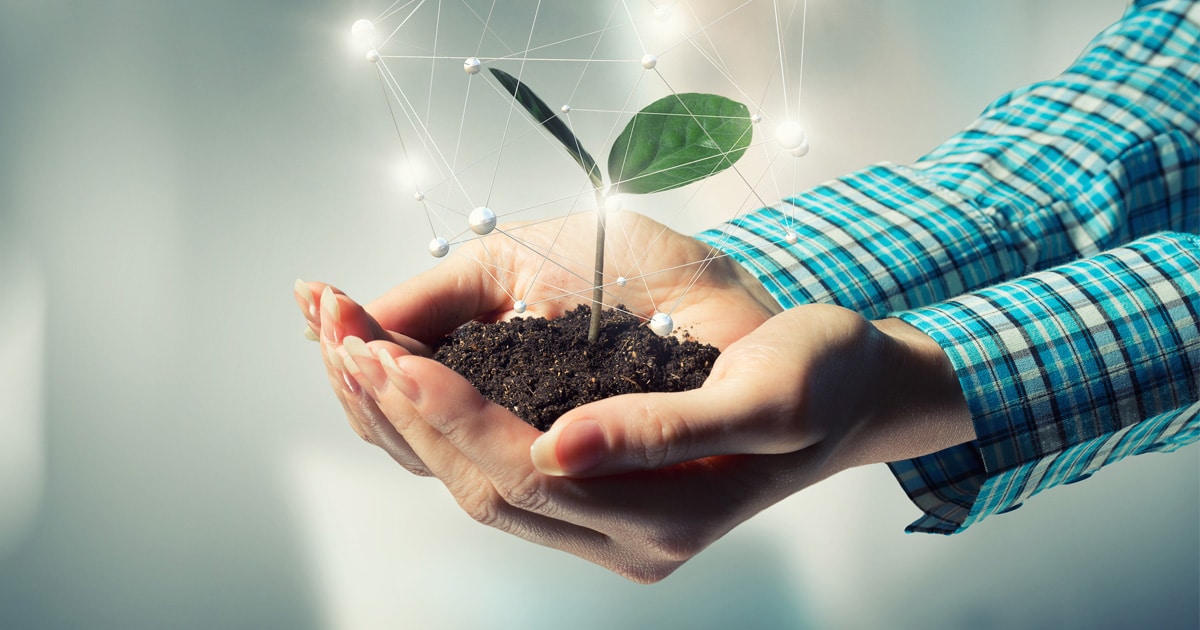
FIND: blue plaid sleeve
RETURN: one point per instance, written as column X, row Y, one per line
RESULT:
column 1065, row 371
column 1107, row 152
column 1049, row 175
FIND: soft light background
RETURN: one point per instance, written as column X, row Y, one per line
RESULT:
column 169, row 454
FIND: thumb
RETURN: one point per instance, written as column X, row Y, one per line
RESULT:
column 650, row 431
column 346, row 318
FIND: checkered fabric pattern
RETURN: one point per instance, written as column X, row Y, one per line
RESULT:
column 1050, row 248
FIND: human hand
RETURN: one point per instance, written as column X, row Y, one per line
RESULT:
column 817, row 379
column 715, row 300
column 484, row 278
column 811, row 392
column 343, row 317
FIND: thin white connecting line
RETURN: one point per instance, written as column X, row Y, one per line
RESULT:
column 408, row 17
column 451, row 172
column 513, row 103
column 599, row 34
column 394, row 9
column 487, row 26
column 410, row 112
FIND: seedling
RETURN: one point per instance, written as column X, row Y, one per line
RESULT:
column 672, row 142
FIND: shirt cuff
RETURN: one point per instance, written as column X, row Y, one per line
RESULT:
column 882, row 239
column 1064, row 371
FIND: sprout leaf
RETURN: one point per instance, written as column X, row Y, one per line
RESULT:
column 677, row 140
column 550, row 121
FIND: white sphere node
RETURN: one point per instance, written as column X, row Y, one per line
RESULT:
column 801, row 150
column 622, row 281
column 519, row 306
column 373, row 56
column 482, row 220
column 566, row 109
column 439, row 247
column 790, row 135
column 662, row 12
column 662, row 324
column 791, row 237
column 419, row 196
column 362, row 29
column 756, row 118
column 649, row 61
column 612, row 203
column 471, row 65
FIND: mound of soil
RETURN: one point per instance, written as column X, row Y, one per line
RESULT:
column 541, row 368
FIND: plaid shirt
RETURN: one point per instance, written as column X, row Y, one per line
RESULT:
column 1051, row 249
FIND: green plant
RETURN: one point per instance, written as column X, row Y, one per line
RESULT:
column 672, row 142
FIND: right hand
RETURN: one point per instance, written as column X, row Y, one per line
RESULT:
column 811, row 392
column 484, row 277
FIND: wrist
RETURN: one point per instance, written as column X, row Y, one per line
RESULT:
column 737, row 274
column 920, row 408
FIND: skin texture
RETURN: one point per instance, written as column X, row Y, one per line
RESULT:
column 640, row 483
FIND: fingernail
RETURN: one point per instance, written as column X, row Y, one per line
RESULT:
column 310, row 335
column 331, row 326
column 352, row 385
column 576, row 448
column 360, row 359
column 397, row 377
column 339, row 364
column 307, row 305
column 386, row 360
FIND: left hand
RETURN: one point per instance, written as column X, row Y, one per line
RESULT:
column 837, row 392
column 480, row 280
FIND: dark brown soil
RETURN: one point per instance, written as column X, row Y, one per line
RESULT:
column 540, row 368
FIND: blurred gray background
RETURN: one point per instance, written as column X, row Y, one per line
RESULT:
column 170, row 456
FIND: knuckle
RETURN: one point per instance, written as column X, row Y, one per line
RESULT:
column 419, row 470
column 410, row 462
column 528, row 494
column 662, row 438
column 484, row 506
column 783, row 426
column 646, row 573
column 674, row 547
column 451, row 430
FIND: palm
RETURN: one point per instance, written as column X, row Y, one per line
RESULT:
column 549, row 266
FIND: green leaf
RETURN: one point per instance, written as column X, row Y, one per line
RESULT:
column 545, row 116
column 677, row 140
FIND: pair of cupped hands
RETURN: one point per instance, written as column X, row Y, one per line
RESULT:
column 638, row 483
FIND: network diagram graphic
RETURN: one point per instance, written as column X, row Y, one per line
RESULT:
column 474, row 155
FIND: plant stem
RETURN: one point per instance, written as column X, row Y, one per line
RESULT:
column 598, row 277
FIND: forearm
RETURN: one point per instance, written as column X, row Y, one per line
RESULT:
column 1107, row 152
column 1064, row 371
column 921, row 409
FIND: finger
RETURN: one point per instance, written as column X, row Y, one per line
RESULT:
column 498, row 443
column 362, row 409
column 342, row 385
column 350, row 317
column 490, row 436
column 431, row 305
column 354, row 320
column 641, row 525
column 406, row 400
column 306, row 300
column 340, row 314
column 652, row 431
